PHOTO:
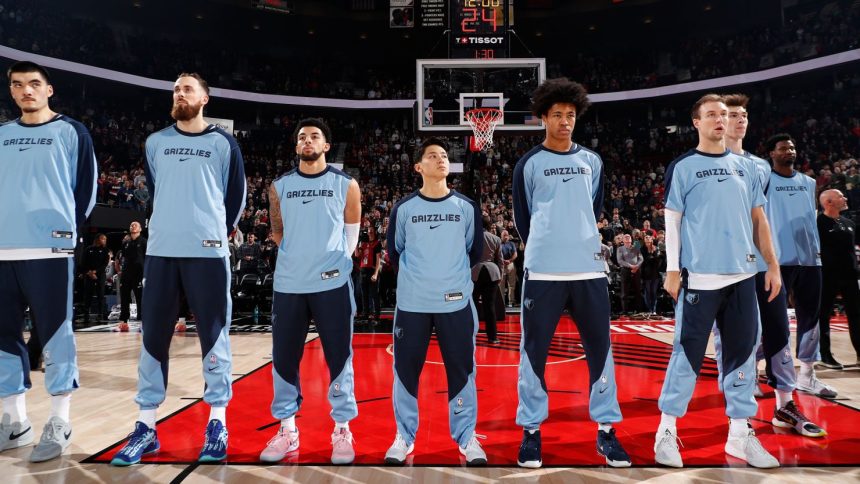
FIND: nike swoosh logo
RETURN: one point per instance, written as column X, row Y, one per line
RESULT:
column 24, row 149
column 184, row 159
column 459, row 411
column 785, row 362
column 565, row 180
column 434, row 226
column 337, row 395
column 719, row 180
column 603, row 389
column 792, row 194
column 14, row 436
column 67, row 435
column 305, row 202
column 737, row 384
column 213, row 368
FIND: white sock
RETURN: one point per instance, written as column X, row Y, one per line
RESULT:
column 16, row 407
column 807, row 367
column 147, row 417
column 289, row 423
column 181, row 320
column 338, row 426
column 738, row 427
column 782, row 398
column 532, row 431
column 606, row 427
column 60, row 406
column 218, row 413
column 667, row 422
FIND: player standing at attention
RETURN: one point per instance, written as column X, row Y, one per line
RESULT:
column 47, row 189
column 196, row 176
column 718, row 196
column 435, row 236
column 558, row 195
column 315, row 211
column 791, row 211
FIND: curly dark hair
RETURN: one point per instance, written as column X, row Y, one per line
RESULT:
column 559, row 90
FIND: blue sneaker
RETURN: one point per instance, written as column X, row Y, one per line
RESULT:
column 215, row 447
column 530, row 450
column 608, row 446
column 142, row 441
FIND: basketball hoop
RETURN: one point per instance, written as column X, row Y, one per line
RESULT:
column 483, row 122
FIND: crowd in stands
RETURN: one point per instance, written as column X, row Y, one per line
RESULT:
column 379, row 152
column 43, row 29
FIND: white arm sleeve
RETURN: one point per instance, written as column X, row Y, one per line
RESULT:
column 673, row 240
column 351, row 237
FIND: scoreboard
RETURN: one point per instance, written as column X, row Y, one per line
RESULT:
column 479, row 28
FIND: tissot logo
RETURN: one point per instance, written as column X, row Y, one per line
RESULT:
column 480, row 40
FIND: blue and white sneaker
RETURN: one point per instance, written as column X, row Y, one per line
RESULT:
column 215, row 447
column 609, row 447
column 529, row 455
column 142, row 441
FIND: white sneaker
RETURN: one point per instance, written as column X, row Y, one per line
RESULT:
column 56, row 436
column 398, row 451
column 666, row 450
column 748, row 448
column 280, row 445
column 14, row 435
column 342, row 451
column 475, row 455
column 809, row 383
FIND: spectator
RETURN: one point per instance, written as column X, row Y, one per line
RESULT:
column 630, row 260
column 509, row 272
column 250, row 256
column 96, row 259
column 653, row 261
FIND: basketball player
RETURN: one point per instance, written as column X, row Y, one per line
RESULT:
column 718, row 196
column 47, row 189
column 558, row 195
column 792, row 221
column 196, row 175
column 435, row 236
column 791, row 211
column 315, row 212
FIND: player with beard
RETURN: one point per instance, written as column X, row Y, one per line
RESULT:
column 47, row 189
column 315, row 213
column 196, row 176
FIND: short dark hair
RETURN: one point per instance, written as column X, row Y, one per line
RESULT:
column 487, row 223
column 428, row 143
column 771, row 142
column 316, row 123
column 736, row 100
column 203, row 83
column 27, row 66
column 707, row 98
column 559, row 90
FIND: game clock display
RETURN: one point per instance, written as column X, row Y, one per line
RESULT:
column 479, row 29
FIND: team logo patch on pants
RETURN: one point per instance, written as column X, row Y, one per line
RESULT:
column 692, row 298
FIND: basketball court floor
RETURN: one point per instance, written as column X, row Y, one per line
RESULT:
column 103, row 412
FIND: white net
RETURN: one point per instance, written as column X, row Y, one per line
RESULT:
column 484, row 122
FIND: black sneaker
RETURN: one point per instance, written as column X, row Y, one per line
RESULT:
column 530, row 450
column 790, row 417
column 608, row 446
column 828, row 361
